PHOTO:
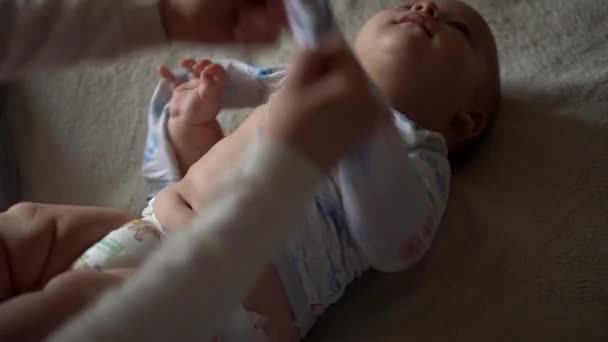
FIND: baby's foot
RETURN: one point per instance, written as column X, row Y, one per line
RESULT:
column 197, row 101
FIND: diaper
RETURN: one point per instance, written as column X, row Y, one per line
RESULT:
column 125, row 247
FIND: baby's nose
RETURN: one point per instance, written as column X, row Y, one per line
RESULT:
column 428, row 8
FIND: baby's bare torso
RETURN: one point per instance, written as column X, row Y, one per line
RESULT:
column 268, row 297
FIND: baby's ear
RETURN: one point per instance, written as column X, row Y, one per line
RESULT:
column 469, row 123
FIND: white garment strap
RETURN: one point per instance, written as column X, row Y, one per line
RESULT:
column 186, row 290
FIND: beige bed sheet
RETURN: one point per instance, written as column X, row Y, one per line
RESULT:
column 522, row 253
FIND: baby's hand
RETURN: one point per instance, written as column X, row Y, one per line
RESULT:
column 197, row 101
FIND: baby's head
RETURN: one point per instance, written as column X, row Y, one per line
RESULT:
column 436, row 61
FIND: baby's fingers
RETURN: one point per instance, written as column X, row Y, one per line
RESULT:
column 201, row 65
column 193, row 67
column 168, row 76
column 212, row 80
column 187, row 63
column 215, row 73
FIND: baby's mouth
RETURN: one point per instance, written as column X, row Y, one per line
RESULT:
column 417, row 19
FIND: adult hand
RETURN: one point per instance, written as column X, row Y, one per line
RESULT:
column 225, row 21
column 327, row 104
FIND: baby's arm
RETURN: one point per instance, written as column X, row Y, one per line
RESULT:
column 240, row 85
column 176, row 205
column 393, row 198
column 192, row 127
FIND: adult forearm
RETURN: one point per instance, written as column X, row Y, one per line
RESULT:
column 206, row 271
column 38, row 34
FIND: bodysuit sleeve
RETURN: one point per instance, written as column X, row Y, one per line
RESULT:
column 248, row 85
column 394, row 190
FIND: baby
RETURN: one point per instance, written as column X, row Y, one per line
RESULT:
column 436, row 64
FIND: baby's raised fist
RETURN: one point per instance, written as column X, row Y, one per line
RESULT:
column 198, row 100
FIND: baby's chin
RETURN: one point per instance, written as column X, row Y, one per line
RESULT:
column 391, row 51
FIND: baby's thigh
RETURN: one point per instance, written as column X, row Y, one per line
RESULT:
column 39, row 241
column 32, row 316
column 81, row 287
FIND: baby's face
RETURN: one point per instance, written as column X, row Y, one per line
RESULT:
column 429, row 57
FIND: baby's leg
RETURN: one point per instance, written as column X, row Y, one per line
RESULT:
column 32, row 316
column 40, row 241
